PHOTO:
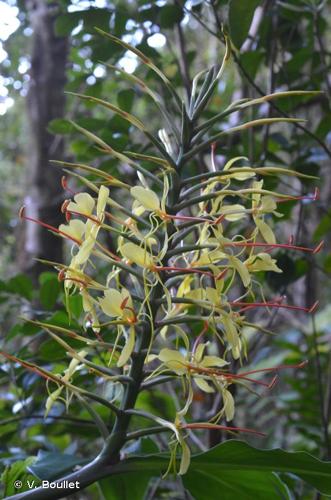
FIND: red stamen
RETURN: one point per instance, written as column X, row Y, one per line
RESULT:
column 221, row 275
column 309, row 197
column 124, row 306
column 64, row 206
column 76, row 280
column 119, row 221
column 229, row 376
column 61, row 275
column 48, row 226
column 90, row 217
column 198, row 339
column 276, row 368
column 64, row 184
column 205, row 425
column 318, row 248
column 64, row 210
column 124, row 302
column 108, row 252
column 275, row 245
column 218, row 220
column 247, row 305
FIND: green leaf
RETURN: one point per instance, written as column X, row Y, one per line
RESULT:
column 125, row 99
column 96, row 17
column 233, row 458
column 240, row 18
column 75, row 304
column 118, row 487
column 126, row 116
column 59, row 126
column 66, row 23
column 323, row 227
column 17, row 472
column 51, row 351
column 251, row 61
column 49, row 290
column 246, row 485
column 169, row 15
column 51, row 465
column 22, row 285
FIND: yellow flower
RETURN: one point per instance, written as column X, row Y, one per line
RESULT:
column 262, row 262
column 75, row 229
column 84, row 204
column 137, row 255
column 117, row 303
column 267, row 206
column 190, row 364
column 146, row 197
column 102, row 202
column 128, row 347
column 231, row 333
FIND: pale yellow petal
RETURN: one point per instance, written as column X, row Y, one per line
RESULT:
column 111, row 303
column 265, row 231
column 146, row 197
column 209, row 361
column 127, row 349
column 268, row 204
column 185, row 459
column 233, row 212
column 84, row 252
column 102, row 201
column 83, row 204
column 173, row 360
column 199, row 352
column 137, row 255
column 203, row 385
column 51, row 400
column 228, row 405
column 213, row 296
column 75, row 228
column 242, row 270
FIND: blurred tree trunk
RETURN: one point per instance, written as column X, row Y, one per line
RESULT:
column 45, row 101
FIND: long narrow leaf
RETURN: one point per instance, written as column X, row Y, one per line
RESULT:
column 245, row 103
column 91, row 170
column 239, row 128
column 120, row 156
column 144, row 59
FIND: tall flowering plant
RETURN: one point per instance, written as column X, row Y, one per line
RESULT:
column 172, row 306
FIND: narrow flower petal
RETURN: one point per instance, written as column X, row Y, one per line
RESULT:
column 146, row 197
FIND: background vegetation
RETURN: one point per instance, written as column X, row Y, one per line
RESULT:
column 278, row 45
